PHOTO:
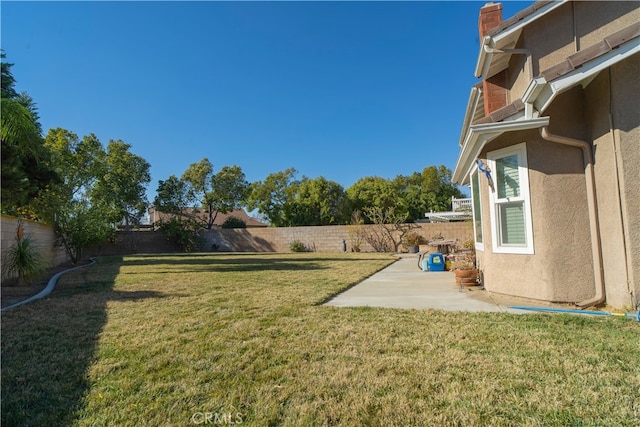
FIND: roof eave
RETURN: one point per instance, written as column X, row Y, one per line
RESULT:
column 583, row 75
column 484, row 57
column 479, row 135
column 472, row 104
column 501, row 38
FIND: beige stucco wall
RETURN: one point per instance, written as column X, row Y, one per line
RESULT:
column 562, row 268
column 604, row 113
column 597, row 108
column 625, row 93
column 556, row 271
column 574, row 26
column 595, row 20
column 519, row 74
column 551, row 38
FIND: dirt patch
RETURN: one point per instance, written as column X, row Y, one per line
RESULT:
column 12, row 292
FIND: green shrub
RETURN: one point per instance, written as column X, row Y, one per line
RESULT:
column 23, row 259
column 184, row 233
column 234, row 222
column 298, row 246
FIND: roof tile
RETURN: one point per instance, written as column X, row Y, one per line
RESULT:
column 592, row 52
column 502, row 113
column 518, row 17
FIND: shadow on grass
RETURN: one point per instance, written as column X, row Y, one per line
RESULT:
column 49, row 345
column 241, row 263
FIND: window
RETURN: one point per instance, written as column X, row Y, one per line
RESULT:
column 511, row 228
column 477, row 210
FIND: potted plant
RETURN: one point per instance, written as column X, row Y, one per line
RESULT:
column 412, row 241
column 464, row 266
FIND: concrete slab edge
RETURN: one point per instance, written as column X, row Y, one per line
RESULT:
column 334, row 295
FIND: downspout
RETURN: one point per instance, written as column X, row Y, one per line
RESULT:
column 594, row 229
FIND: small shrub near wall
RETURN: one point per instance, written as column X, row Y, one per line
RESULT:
column 298, row 246
column 41, row 238
column 22, row 259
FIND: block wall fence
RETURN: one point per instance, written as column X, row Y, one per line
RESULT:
column 42, row 236
column 320, row 238
column 271, row 239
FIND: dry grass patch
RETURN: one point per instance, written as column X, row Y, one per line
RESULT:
column 184, row 339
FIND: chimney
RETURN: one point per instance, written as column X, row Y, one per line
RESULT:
column 490, row 17
column 494, row 88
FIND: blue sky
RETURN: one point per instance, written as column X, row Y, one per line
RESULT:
column 342, row 90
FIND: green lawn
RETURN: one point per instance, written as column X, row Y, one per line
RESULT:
column 215, row 339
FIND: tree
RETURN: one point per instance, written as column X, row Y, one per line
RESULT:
column 26, row 164
column 229, row 190
column 7, row 81
column 410, row 190
column 318, row 202
column 79, row 225
column 198, row 178
column 273, row 196
column 438, row 188
column 389, row 226
column 428, row 191
column 120, row 191
column 173, row 197
column 98, row 189
column 219, row 193
column 78, row 162
column 375, row 192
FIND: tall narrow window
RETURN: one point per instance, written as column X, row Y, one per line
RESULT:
column 511, row 226
column 477, row 210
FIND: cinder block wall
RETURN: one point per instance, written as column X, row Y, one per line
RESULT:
column 132, row 242
column 269, row 239
column 320, row 238
column 41, row 235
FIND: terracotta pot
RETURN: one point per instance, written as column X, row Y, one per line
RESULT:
column 466, row 277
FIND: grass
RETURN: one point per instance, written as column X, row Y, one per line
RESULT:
column 224, row 338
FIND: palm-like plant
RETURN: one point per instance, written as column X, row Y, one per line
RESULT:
column 22, row 258
column 25, row 160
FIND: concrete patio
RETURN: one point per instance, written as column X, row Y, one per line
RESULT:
column 404, row 285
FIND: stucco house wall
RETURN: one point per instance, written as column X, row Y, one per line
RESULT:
column 602, row 110
column 594, row 20
column 561, row 268
column 556, row 271
column 617, row 142
column 627, row 138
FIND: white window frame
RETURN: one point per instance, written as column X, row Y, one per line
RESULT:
column 479, row 245
column 495, row 203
